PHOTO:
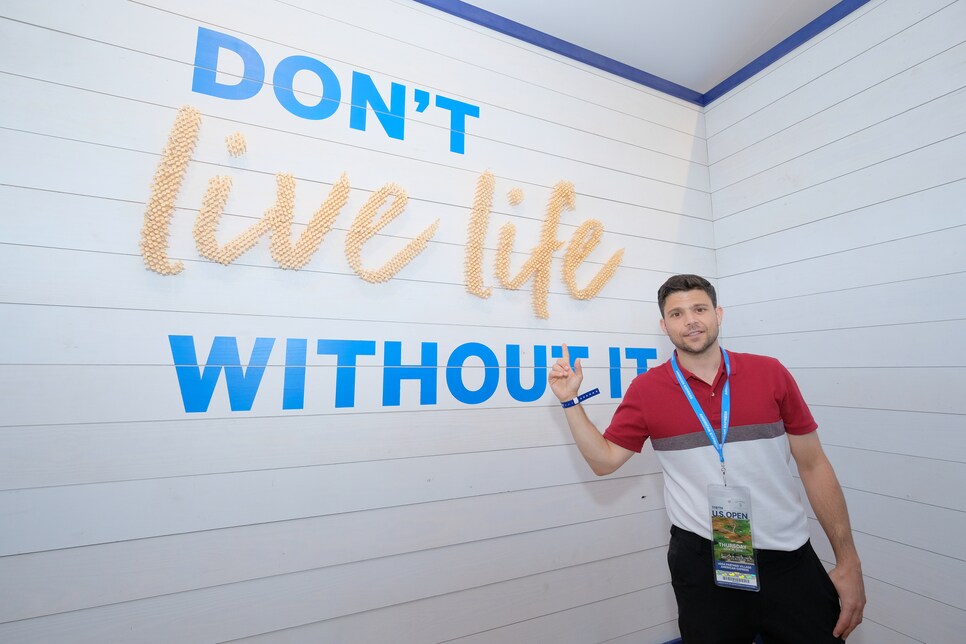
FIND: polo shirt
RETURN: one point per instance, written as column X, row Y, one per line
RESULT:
column 766, row 404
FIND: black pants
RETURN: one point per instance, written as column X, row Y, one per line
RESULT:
column 796, row 603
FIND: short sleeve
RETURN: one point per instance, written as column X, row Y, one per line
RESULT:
column 794, row 411
column 628, row 427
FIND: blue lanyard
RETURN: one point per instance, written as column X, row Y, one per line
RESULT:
column 702, row 417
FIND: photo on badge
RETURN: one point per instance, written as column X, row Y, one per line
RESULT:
column 733, row 551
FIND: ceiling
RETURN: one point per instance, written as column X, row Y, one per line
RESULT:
column 696, row 44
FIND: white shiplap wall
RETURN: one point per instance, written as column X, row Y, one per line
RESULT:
column 124, row 519
column 838, row 186
column 835, row 179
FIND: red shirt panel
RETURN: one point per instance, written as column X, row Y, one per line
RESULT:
column 762, row 391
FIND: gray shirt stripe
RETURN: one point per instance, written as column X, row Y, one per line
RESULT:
column 735, row 434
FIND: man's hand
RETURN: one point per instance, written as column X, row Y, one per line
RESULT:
column 851, row 588
column 828, row 502
column 564, row 381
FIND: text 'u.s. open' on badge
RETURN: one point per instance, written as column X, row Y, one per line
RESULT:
column 733, row 552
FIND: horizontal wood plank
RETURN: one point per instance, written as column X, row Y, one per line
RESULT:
column 497, row 573
column 72, row 579
column 63, row 517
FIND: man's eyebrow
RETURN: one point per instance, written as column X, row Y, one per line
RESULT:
column 692, row 307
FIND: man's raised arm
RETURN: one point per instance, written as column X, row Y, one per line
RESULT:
column 603, row 456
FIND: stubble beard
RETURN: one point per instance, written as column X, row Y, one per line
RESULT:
column 711, row 336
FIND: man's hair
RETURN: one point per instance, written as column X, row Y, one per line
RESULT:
column 680, row 283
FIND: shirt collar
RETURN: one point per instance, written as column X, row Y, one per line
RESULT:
column 689, row 375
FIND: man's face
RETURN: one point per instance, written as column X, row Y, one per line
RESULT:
column 690, row 321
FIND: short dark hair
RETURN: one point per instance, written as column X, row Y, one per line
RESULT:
column 680, row 283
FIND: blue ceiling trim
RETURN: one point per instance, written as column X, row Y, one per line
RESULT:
column 546, row 41
column 519, row 31
column 779, row 51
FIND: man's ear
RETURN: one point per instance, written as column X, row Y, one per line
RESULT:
column 720, row 312
column 664, row 326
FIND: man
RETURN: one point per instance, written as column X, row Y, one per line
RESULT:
column 728, row 478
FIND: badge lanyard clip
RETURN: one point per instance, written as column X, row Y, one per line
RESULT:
column 702, row 417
